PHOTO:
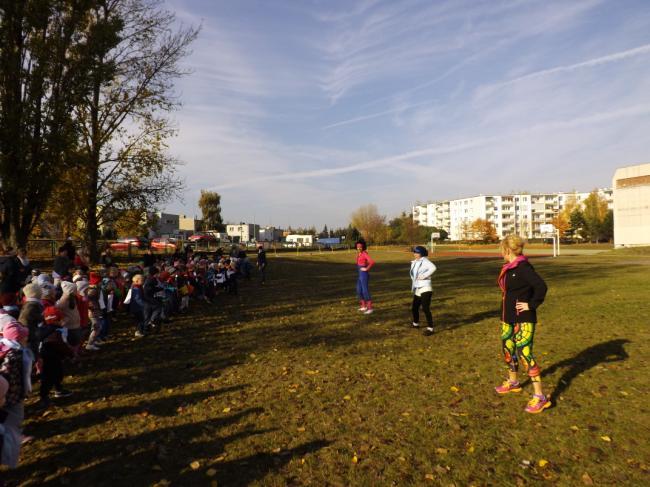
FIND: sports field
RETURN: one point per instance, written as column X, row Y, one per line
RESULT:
column 288, row 385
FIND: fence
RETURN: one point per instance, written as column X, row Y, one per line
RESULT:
column 43, row 249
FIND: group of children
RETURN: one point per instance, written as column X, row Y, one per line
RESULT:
column 48, row 320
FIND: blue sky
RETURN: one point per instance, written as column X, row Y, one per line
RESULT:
column 298, row 112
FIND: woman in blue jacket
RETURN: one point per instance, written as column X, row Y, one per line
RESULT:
column 421, row 271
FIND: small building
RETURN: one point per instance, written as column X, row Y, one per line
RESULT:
column 243, row 232
column 188, row 224
column 632, row 206
column 328, row 242
column 269, row 234
column 166, row 223
column 300, row 240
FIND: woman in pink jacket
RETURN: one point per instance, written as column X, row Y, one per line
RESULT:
column 364, row 263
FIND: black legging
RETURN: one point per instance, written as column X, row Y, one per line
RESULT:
column 423, row 300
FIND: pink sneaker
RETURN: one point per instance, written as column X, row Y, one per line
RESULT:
column 508, row 387
column 537, row 404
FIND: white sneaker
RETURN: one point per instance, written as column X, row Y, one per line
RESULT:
column 90, row 346
column 416, row 325
column 139, row 334
column 368, row 311
column 363, row 309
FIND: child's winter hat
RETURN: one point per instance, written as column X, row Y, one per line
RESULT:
column 52, row 315
column 43, row 279
column 12, row 310
column 82, row 286
column 47, row 292
column 68, row 287
column 32, row 290
column 15, row 331
column 94, row 279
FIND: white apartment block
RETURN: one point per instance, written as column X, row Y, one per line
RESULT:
column 243, row 232
column 521, row 214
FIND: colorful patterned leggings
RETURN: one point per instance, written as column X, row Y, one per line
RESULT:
column 517, row 342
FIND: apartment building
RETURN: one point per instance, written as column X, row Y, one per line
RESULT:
column 243, row 232
column 632, row 209
column 522, row 214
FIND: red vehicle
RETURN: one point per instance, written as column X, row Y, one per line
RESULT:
column 164, row 243
column 202, row 237
column 133, row 242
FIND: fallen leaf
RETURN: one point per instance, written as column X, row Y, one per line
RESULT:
column 606, row 438
column 355, row 459
column 226, row 410
column 586, row 479
column 442, row 451
column 440, row 469
column 429, row 476
column 347, row 397
column 542, row 463
column 276, row 450
column 195, row 465
column 454, row 389
column 406, row 414
column 301, row 429
column 575, row 428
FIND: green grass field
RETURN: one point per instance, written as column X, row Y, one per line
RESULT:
column 288, row 385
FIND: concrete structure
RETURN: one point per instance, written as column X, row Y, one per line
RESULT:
column 522, row 214
column 632, row 206
column 270, row 234
column 167, row 224
column 301, row 240
column 243, row 232
column 188, row 224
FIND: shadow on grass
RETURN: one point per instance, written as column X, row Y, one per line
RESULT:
column 605, row 352
column 140, row 459
column 244, row 471
column 163, row 407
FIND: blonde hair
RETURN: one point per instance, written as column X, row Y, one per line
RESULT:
column 138, row 279
column 513, row 243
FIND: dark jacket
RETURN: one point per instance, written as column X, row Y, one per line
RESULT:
column 148, row 260
column 151, row 292
column 62, row 265
column 10, row 274
column 522, row 284
column 136, row 306
column 261, row 257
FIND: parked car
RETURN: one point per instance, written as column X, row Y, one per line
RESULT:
column 164, row 243
column 203, row 237
column 133, row 242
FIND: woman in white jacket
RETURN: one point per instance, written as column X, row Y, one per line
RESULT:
column 421, row 271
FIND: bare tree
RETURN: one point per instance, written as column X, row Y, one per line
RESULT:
column 124, row 165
